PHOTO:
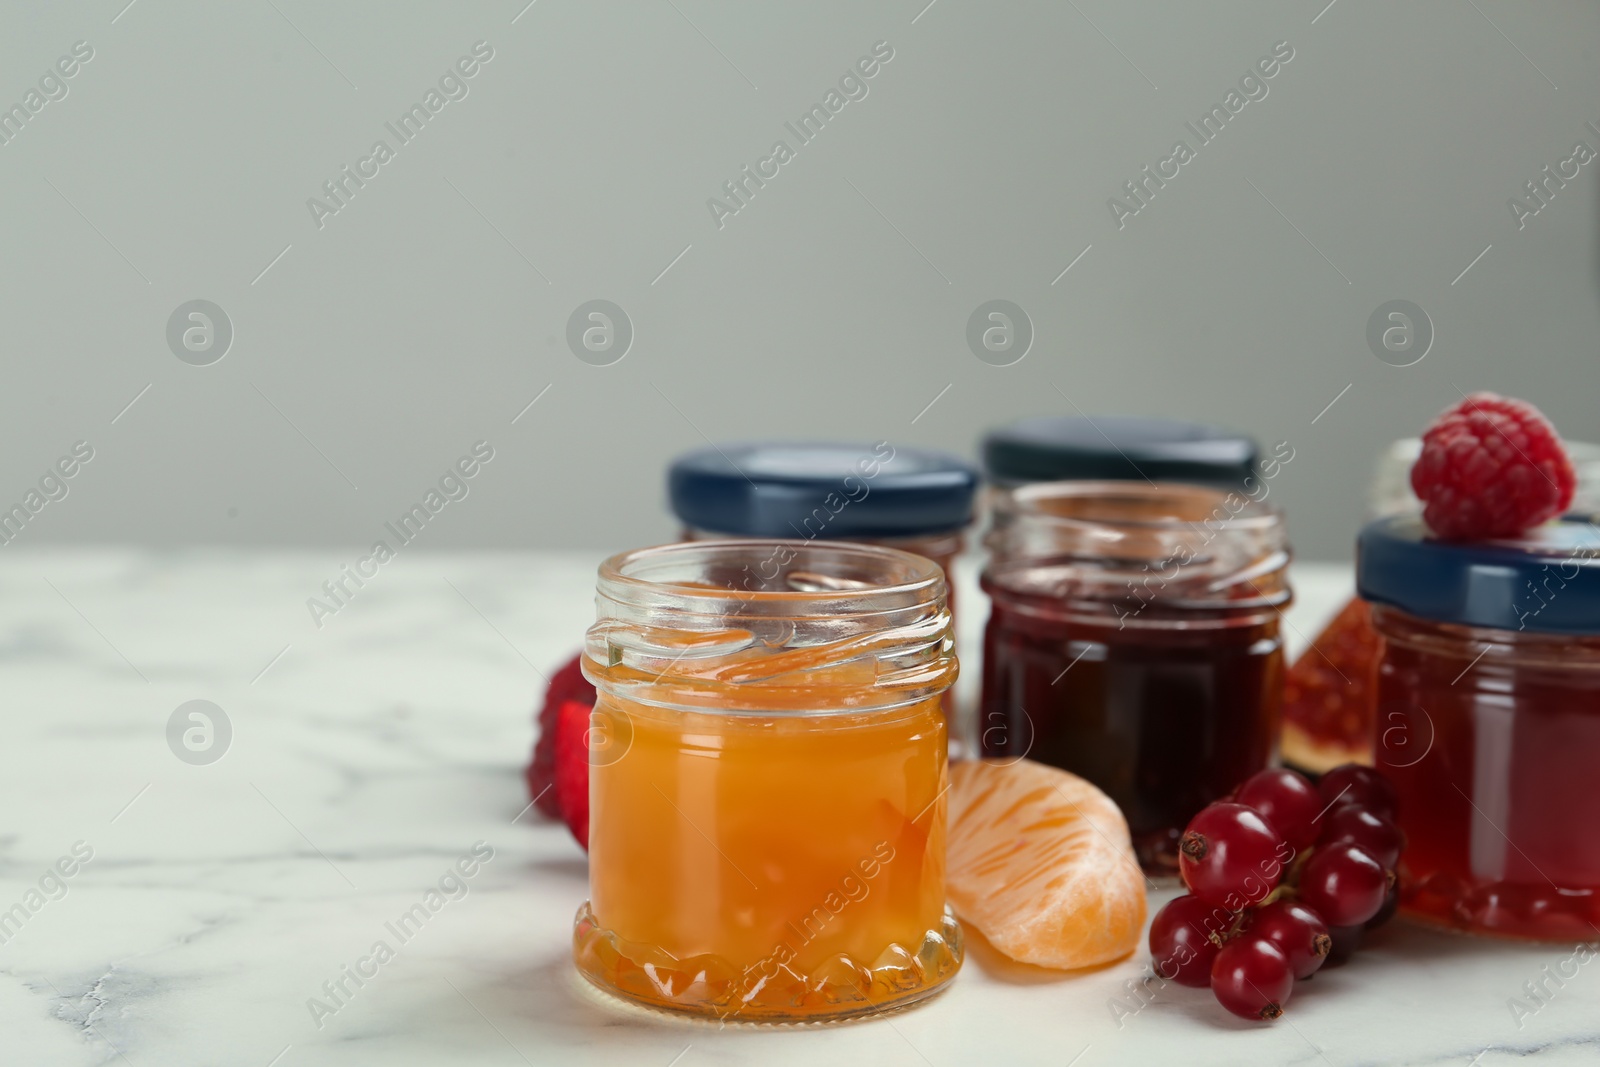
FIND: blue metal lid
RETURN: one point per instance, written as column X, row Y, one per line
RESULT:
column 1059, row 448
column 1547, row 581
column 816, row 489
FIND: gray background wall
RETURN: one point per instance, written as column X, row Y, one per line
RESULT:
column 431, row 309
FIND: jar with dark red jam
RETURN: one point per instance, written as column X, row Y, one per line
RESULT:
column 1133, row 640
column 1488, row 723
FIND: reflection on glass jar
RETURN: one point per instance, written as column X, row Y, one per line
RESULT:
column 1133, row 640
column 1488, row 722
column 768, row 775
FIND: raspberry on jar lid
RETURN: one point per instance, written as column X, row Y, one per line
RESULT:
column 1491, row 466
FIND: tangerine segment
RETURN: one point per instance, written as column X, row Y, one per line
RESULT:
column 1041, row 863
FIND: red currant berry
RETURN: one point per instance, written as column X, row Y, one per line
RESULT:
column 1288, row 802
column 1346, row 939
column 1344, row 884
column 1391, row 904
column 1363, row 785
column 1251, row 978
column 1371, row 832
column 1229, row 856
column 1181, row 945
column 1298, row 931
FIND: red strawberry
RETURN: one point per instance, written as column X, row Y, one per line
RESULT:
column 572, row 767
column 568, row 683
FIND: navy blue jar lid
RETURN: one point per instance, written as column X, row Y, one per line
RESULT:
column 1547, row 581
column 816, row 489
column 1056, row 448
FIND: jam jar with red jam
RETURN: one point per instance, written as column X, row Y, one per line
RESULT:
column 1133, row 640
column 1488, row 723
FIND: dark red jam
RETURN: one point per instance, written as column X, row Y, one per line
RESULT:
column 1144, row 654
column 1165, row 721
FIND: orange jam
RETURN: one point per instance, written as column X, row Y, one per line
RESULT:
column 767, row 788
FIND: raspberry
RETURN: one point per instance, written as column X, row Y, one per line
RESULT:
column 572, row 767
column 1491, row 467
column 566, row 684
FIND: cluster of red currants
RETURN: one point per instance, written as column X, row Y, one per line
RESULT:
column 1283, row 876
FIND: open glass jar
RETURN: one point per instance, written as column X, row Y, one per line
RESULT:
column 1133, row 640
column 767, row 783
column 1488, row 723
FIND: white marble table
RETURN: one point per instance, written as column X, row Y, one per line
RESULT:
column 372, row 754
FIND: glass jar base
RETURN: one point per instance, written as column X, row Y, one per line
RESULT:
column 710, row 986
column 1517, row 911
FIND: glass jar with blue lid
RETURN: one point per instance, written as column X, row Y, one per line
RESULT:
column 1487, row 717
column 1061, row 448
column 914, row 499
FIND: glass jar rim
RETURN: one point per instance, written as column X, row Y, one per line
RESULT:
column 933, row 545
column 1093, row 505
column 1108, row 546
column 643, row 577
column 771, row 626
